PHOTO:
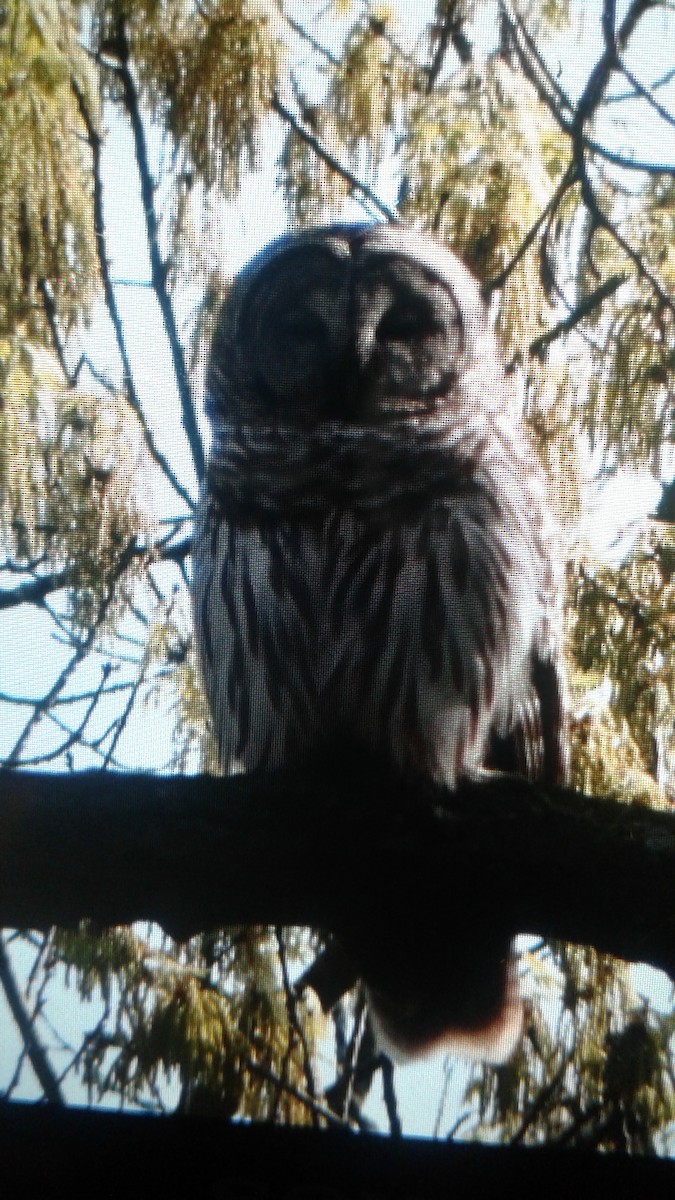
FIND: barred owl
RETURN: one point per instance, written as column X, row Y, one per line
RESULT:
column 374, row 558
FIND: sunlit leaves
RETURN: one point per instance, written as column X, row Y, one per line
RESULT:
column 483, row 159
column 206, row 1023
column 208, row 73
column 622, row 628
column 73, row 476
column 46, row 223
column 370, row 88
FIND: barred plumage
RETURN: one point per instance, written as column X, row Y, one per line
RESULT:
column 373, row 554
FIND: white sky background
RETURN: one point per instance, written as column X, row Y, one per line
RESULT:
column 31, row 660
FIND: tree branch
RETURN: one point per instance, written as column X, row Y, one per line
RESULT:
column 196, row 853
column 330, row 160
column 568, row 179
column 606, row 289
column 450, row 32
column 35, row 1051
column 34, row 591
column 94, row 140
column 158, row 267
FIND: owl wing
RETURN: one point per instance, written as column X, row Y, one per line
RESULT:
column 535, row 744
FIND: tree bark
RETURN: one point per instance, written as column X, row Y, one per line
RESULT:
column 345, row 844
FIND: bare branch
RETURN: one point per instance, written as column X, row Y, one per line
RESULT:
column 535, row 67
column 582, row 310
column 628, row 164
column 450, row 33
column 616, row 40
column 94, row 140
column 568, row 180
column 331, row 161
column 307, row 37
column 295, row 1024
column 35, row 1051
column 662, row 81
column 158, row 267
column 318, row 1110
column 571, row 121
column 645, row 94
column 82, row 649
column 35, row 591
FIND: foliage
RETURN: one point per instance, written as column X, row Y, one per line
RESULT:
column 515, row 132
column 45, row 199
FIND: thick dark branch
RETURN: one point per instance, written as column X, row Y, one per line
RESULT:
column 628, row 162
column 33, row 591
column 287, row 848
column 573, row 121
column 615, row 40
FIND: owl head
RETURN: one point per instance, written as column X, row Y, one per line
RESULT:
column 348, row 323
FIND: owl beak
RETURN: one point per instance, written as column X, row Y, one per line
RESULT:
column 344, row 389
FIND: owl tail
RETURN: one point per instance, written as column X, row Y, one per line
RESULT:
column 469, row 1008
column 459, row 995
column 414, row 1025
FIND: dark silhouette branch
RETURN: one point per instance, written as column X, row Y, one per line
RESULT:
column 449, row 33
column 629, row 163
column 25, row 1024
column 573, row 121
column 645, row 94
column 33, row 591
column 197, row 853
column 568, row 179
column 294, row 1023
column 310, row 1102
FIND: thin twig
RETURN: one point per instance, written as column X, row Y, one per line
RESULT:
column 81, row 651
column 94, row 140
column 645, row 94
column 319, row 1109
column 331, row 161
column 307, row 37
column 294, row 1021
column 567, row 181
column 582, row 310
column 158, row 266
column 35, row 591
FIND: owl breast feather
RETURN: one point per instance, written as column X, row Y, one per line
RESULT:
column 407, row 625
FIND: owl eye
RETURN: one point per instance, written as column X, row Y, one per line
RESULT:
column 302, row 326
column 404, row 322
